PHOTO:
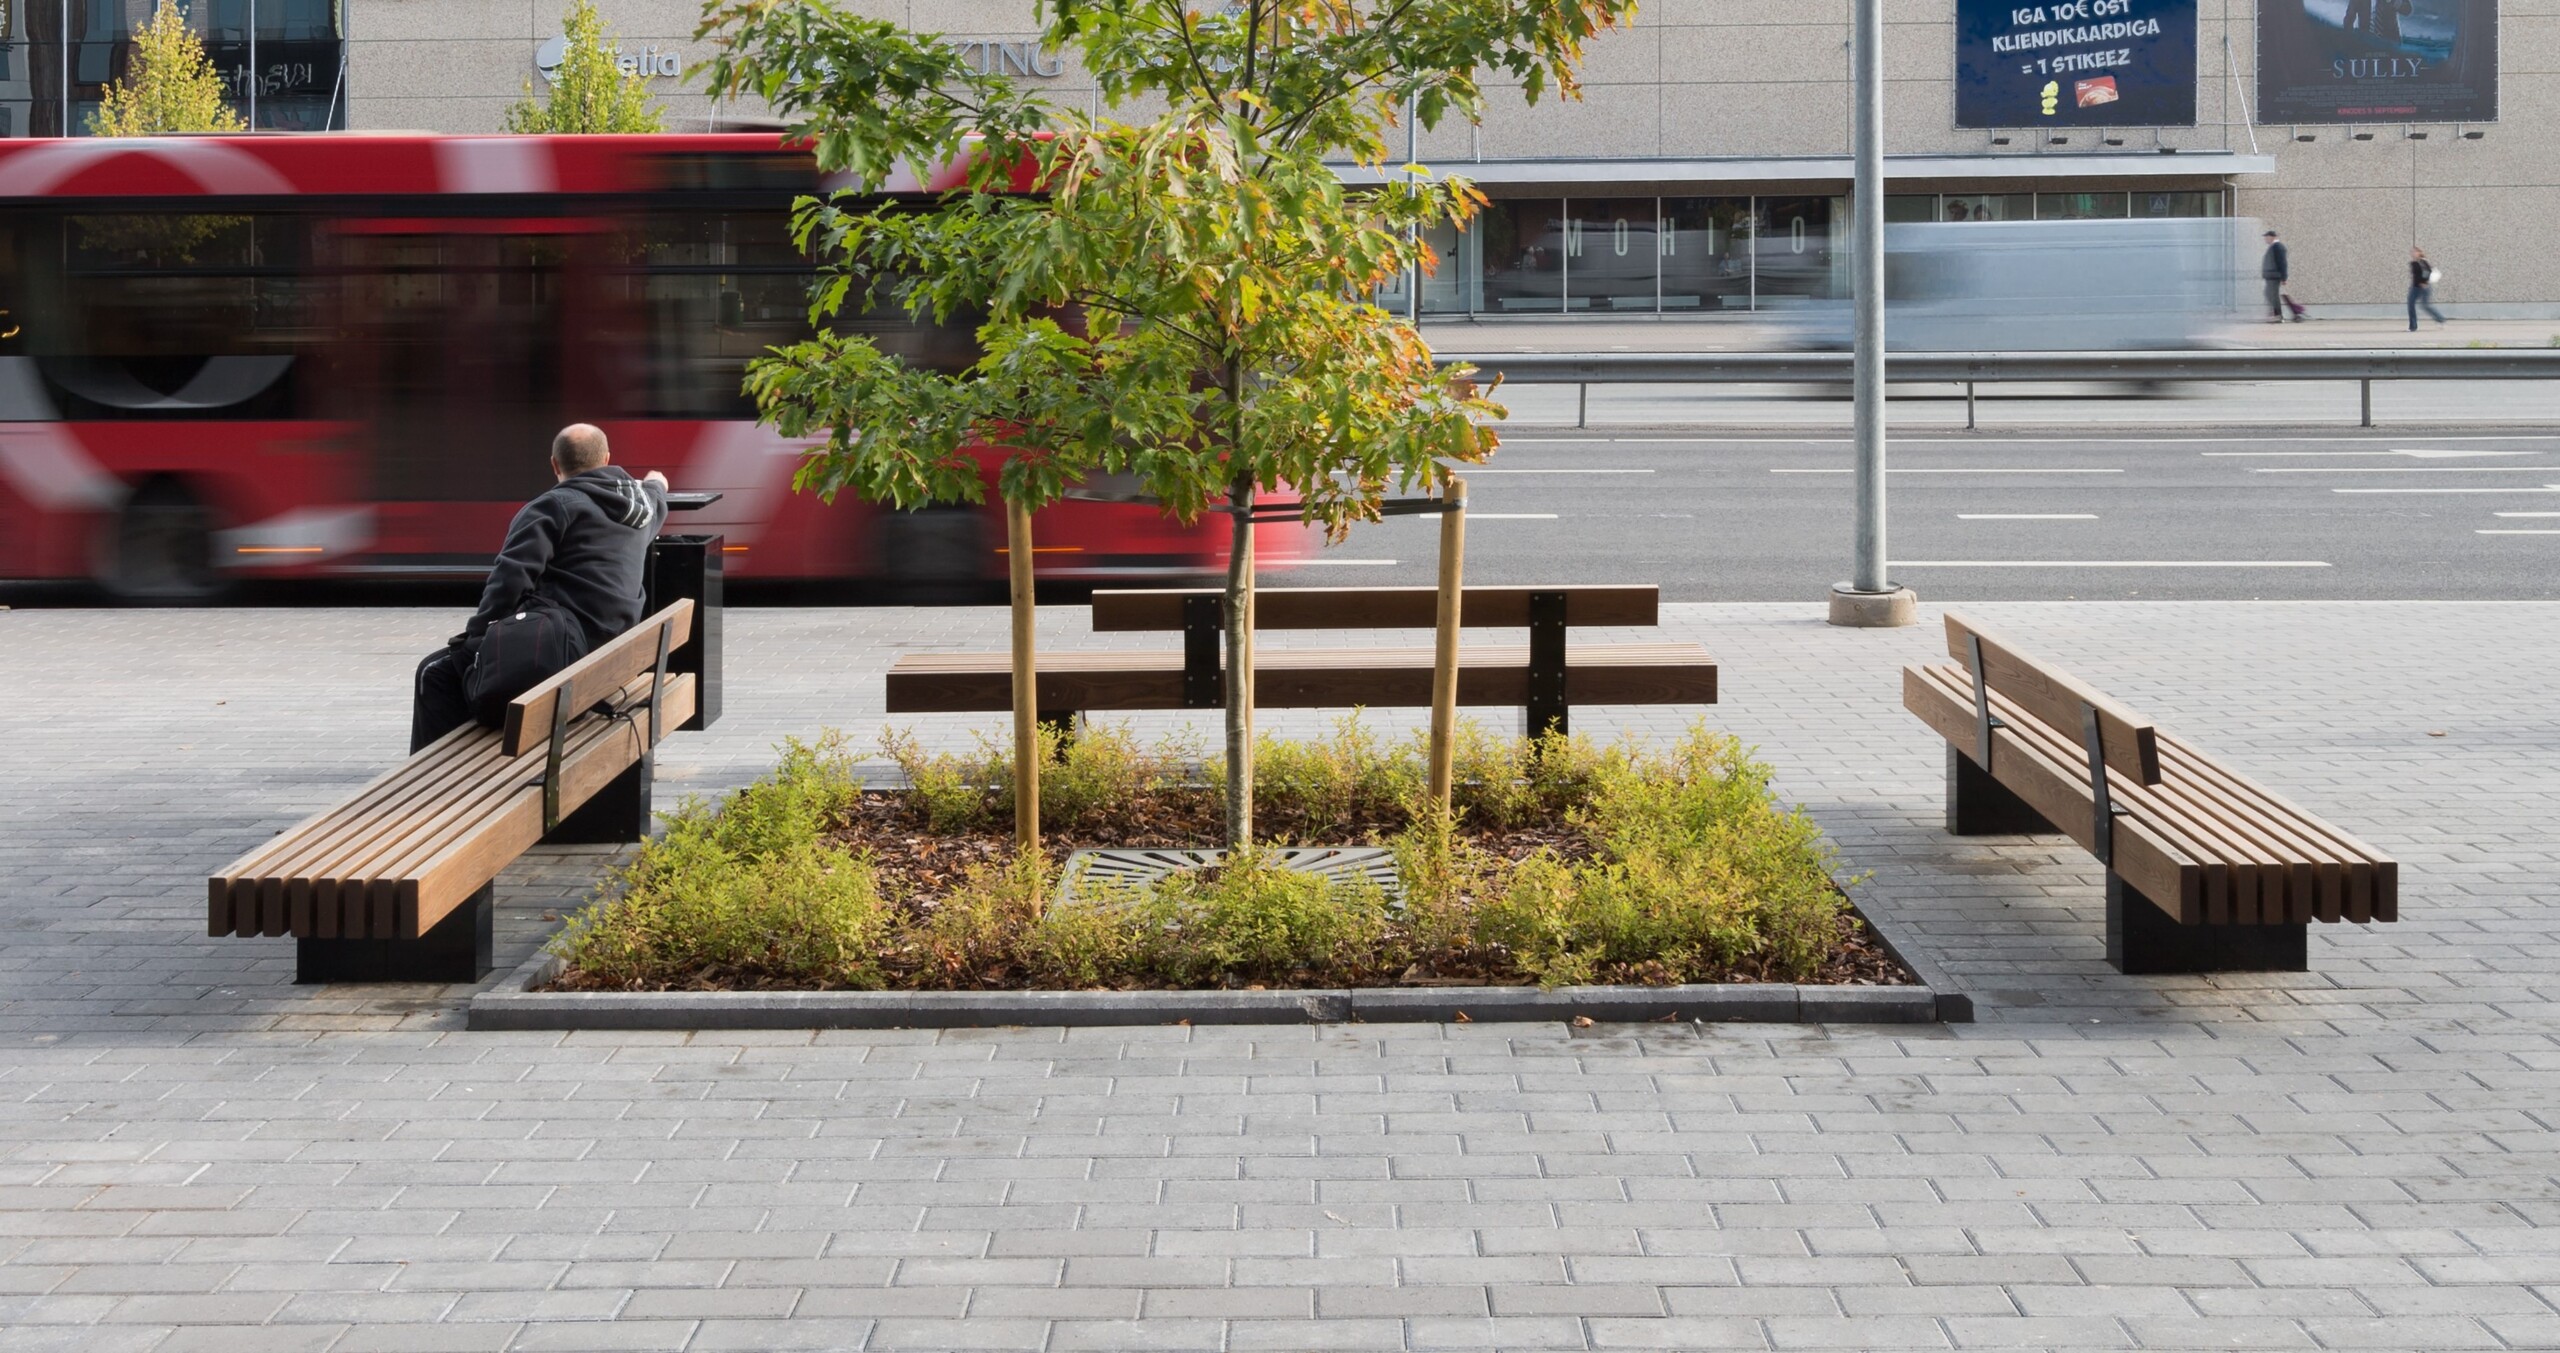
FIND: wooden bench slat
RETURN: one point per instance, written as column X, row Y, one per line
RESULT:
column 1340, row 608
column 401, row 854
column 379, row 891
column 232, row 891
column 595, row 676
column 2380, row 874
column 2130, row 743
column 2060, row 791
column 2238, row 876
column 951, row 683
column 2264, row 859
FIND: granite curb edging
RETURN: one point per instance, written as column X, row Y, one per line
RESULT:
column 513, row 1006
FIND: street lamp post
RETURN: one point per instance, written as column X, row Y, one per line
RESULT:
column 1869, row 598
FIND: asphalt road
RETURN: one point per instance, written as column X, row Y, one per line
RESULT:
column 2171, row 515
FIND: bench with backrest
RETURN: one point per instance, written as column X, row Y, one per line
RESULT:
column 2206, row 870
column 396, row 882
column 1543, row 677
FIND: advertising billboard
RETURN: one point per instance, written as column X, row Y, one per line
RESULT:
column 2378, row 61
column 2076, row 63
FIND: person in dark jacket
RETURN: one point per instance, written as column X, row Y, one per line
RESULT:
column 2422, row 289
column 2276, row 269
column 578, row 550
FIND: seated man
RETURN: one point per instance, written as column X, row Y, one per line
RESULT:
column 568, row 578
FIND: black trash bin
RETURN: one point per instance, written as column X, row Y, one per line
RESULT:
column 690, row 566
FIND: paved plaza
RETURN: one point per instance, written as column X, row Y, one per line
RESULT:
column 196, row 1154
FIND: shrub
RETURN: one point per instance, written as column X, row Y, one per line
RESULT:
column 750, row 896
column 1700, row 870
column 1675, row 866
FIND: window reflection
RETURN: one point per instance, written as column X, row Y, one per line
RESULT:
column 1611, row 254
column 1524, row 255
column 1706, row 263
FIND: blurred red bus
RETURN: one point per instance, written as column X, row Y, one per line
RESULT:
column 344, row 355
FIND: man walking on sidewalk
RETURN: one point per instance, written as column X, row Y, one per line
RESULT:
column 2422, row 289
column 2275, row 268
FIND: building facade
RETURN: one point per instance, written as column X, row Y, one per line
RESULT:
column 1706, row 166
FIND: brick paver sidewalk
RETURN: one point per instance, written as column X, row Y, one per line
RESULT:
column 2355, row 1157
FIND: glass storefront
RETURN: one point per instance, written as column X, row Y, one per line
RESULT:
column 285, row 60
column 1676, row 255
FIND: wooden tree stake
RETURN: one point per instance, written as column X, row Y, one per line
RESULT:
column 1026, row 680
column 1444, row 642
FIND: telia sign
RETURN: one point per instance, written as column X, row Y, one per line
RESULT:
column 651, row 64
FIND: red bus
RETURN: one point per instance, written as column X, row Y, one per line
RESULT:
column 343, row 355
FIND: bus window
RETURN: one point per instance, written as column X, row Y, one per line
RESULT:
column 156, row 315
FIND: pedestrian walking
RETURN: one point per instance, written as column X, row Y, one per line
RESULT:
column 2422, row 289
column 2277, row 270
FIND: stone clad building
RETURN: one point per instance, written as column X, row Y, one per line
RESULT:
column 1706, row 166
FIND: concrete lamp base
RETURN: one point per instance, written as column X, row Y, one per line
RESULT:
column 1893, row 607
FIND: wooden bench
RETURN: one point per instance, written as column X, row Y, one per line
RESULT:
column 395, row 883
column 1542, row 677
column 2206, row 870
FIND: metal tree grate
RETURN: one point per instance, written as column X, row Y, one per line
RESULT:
column 1090, row 874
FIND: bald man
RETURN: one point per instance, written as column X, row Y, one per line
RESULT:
column 568, row 578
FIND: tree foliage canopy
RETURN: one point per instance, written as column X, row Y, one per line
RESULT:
column 1186, row 300
column 168, row 86
column 589, row 92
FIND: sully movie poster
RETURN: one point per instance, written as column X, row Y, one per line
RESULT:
column 2378, row 61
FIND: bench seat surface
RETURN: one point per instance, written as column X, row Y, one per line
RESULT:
column 398, row 855
column 1303, row 678
column 2206, row 844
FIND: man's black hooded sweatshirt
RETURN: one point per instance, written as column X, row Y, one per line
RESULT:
column 581, row 546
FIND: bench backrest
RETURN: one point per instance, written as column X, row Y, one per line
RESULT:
column 595, row 676
column 2054, row 696
column 1380, row 608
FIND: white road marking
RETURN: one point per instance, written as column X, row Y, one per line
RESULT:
column 2514, row 532
column 1934, row 469
column 2108, row 563
column 2407, row 469
column 1493, row 516
column 2026, row 516
column 1471, row 471
column 2416, row 454
column 2547, row 488
column 2130, row 439
column 2525, row 514
column 1340, row 563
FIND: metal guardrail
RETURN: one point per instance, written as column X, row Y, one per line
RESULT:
column 2365, row 366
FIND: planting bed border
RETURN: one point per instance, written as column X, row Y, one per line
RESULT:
column 513, row 1005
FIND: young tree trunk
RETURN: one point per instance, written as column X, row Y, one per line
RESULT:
column 1026, row 681
column 1239, row 617
column 1444, row 641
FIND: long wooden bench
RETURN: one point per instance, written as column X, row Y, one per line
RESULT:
column 1542, row 677
column 2207, row 871
column 395, row 883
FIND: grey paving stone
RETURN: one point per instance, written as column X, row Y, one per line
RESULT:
column 2351, row 1156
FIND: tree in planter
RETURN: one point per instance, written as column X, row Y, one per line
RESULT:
column 1180, row 301
column 169, row 85
column 589, row 92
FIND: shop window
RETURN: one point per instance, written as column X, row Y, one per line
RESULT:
column 1455, row 287
column 1523, row 249
column 2177, row 204
column 1706, row 258
column 1987, row 207
column 1611, row 256
column 1906, row 208
column 2083, row 206
column 1794, row 248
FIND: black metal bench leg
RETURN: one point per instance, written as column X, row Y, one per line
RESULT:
column 459, row 948
column 1978, row 805
column 617, row 815
column 2141, row 938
